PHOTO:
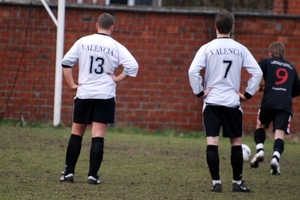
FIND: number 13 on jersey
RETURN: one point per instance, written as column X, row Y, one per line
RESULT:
column 96, row 64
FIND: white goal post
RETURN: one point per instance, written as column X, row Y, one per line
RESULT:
column 60, row 24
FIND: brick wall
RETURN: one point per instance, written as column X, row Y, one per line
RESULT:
column 164, row 44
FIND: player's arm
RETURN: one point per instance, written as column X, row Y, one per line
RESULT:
column 253, row 68
column 68, row 62
column 263, row 65
column 194, row 74
column 261, row 86
column 129, row 64
column 119, row 78
column 67, row 71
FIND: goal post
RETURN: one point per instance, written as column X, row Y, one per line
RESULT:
column 60, row 24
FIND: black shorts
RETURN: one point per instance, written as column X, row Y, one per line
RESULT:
column 87, row 111
column 230, row 119
column 280, row 118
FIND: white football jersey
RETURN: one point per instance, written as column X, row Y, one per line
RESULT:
column 223, row 59
column 99, row 55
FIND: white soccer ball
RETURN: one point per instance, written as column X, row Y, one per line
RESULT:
column 246, row 152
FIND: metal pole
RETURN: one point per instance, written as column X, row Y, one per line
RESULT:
column 159, row 3
column 130, row 3
column 49, row 12
column 58, row 68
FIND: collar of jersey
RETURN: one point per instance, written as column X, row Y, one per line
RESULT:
column 102, row 34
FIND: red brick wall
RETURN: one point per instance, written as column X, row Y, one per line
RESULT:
column 164, row 44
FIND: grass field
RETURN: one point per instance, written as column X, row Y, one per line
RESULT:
column 136, row 165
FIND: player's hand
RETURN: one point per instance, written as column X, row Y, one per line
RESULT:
column 206, row 91
column 119, row 78
column 113, row 77
column 242, row 97
column 74, row 87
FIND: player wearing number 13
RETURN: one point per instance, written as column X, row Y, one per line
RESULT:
column 281, row 84
column 99, row 56
column 223, row 59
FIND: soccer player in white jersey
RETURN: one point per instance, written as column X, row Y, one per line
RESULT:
column 99, row 56
column 223, row 59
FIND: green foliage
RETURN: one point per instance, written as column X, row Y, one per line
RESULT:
column 35, row 124
column 136, row 165
column 6, row 122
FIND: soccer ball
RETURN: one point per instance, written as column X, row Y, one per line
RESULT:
column 246, row 152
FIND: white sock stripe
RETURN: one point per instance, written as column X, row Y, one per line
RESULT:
column 277, row 154
column 260, row 146
column 216, row 181
column 238, row 182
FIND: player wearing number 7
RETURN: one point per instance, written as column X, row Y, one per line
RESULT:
column 281, row 84
column 223, row 59
column 99, row 56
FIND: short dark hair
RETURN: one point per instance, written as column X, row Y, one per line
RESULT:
column 105, row 21
column 276, row 49
column 224, row 21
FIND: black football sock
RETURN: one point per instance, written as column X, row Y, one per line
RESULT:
column 278, row 146
column 259, row 136
column 212, row 159
column 73, row 152
column 96, row 155
column 237, row 162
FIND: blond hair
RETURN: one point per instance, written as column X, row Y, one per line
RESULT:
column 276, row 49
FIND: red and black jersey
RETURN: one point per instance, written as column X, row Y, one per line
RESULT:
column 281, row 84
